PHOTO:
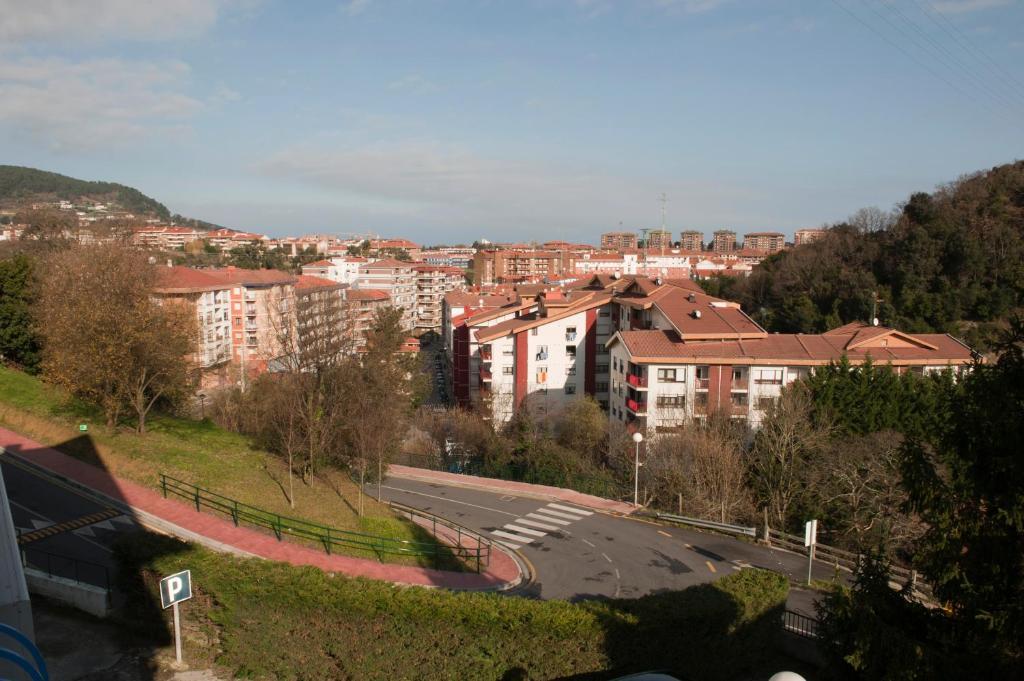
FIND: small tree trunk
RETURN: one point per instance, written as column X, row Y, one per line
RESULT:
column 291, row 484
column 380, row 474
column 362, row 480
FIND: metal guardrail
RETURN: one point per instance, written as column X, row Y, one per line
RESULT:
column 709, row 524
column 468, row 545
column 66, row 567
column 328, row 537
column 800, row 624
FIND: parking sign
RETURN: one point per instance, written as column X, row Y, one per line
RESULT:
column 176, row 588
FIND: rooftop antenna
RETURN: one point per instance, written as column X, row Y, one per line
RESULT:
column 664, row 200
column 875, row 300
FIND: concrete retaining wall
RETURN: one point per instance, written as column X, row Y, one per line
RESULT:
column 85, row 597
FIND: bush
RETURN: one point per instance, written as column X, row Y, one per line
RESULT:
column 273, row 620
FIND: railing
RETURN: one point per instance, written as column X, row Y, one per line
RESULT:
column 800, row 624
column 468, row 546
column 637, row 407
column 703, row 383
column 66, row 567
column 840, row 558
column 485, row 374
column 328, row 537
column 636, row 381
column 739, row 385
column 485, row 354
column 709, row 524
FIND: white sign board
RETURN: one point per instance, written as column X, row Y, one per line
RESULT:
column 811, row 533
column 176, row 588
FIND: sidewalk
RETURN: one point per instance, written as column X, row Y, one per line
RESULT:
column 173, row 517
column 519, row 489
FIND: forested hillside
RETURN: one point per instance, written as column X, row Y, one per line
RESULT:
column 25, row 184
column 950, row 261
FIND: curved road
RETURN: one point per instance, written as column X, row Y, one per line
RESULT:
column 592, row 554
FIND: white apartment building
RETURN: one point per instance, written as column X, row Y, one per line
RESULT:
column 398, row 279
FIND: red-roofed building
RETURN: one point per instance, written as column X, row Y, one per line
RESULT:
column 363, row 305
column 398, row 279
column 432, row 283
column 210, row 299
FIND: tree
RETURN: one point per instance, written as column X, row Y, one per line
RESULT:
column 105, row 338
column 18, row 341
column 256, row 256
column 582, row 428
column 783, row 451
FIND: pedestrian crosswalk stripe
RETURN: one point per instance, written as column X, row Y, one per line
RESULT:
column 513, row 537
column 557, row 514
column 525, row 530
column 570, row 509
column 546, row 519
column 534, row 523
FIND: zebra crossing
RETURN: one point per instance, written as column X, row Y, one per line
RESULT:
column 539, row 523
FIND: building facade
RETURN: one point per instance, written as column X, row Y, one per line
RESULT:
column 617, row 240
column 723, row 241
column 691, row 240
column 806, row 236
column 398, row 280
column 766, row 242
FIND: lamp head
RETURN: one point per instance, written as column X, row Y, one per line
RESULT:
column 638, row 438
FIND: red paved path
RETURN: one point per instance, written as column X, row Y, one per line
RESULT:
column 511, row 487
column 502, row 571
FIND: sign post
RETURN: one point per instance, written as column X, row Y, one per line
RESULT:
column 173, row 590
column 810, row 539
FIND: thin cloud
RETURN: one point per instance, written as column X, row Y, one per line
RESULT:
column 414, row 84
column 95, row 103
column 967, row 6
column 46, row 21
column 354, row 7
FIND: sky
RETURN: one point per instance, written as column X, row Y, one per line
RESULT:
column 513, row 119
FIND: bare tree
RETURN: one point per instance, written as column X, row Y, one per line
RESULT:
column 872, row 219
column 783, row 450
column 105, row 338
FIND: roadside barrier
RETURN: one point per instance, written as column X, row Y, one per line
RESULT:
column 476, row 551
column 709, row 524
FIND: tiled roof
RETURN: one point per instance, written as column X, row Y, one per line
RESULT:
column 307, row 281
column 585, row 301
column 179, row 279
column 319, row 263
column 666, row 346
column 239, row 275
column 366, row 294
column 389, row 263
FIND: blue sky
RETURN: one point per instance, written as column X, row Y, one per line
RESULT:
column 529, row 119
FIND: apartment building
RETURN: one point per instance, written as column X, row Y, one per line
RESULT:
column 617, row 240
column 432, row 283
column 806, row 236
column 658, row 240
column 520, row 265
column 324, row 327
column 398, row 280
column 766, row 242
column 449, row 256
column 691, row 240
column 209, row 298
column 724, row 241
column 663, row 376
column 262, row 311
column 165, row 237
column 343, row 269
column 362, row 307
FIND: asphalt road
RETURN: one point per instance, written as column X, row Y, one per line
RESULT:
column 77, row 551
column 593, row 555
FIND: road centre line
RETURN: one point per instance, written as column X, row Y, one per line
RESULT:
column 570, row 509
column 588, row 543
column 665, row 533
column 710, row 566
column 606, row 557
column 547, row 519
column 454, row 501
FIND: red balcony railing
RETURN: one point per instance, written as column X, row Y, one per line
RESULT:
column 485, row 354
column 485, row 375
column 703, row 383
column 636, row 407
column 636, row 381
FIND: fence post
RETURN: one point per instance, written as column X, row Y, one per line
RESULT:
column 234, row 511
column 277, row 527
column 327, row 543
column 163, row 484
column 767, row 536
column 197, row 499
column 913, row 580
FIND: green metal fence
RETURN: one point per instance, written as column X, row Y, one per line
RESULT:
column 459, row 542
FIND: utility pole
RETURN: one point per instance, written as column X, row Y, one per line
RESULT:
column 664, row 200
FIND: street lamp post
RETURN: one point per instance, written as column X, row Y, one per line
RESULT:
column 637, row 438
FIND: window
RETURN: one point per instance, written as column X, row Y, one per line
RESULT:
column 615, row 363
column 601, row 369
column 507, row 352
column 670, row 400
column 533, row 332
column 765, row 402
column 238, row 321
column 506, row 371
column 542, row 352
column 570, row 351
column 542, row 374
column 737, row 374
column 738, row 399
column 570, row 333
column 667, row 375
column 768, row 377
column 570, row 388
column 602, row 350
column 601, row 387
column 604, row 313
column 570, row 371
column 604, row 405
column 703, row 373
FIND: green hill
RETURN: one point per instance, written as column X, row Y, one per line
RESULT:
column 18, row 184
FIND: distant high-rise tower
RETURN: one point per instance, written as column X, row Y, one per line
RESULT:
column 724, row 241
column 691, row 240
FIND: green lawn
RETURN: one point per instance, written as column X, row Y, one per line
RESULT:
column 197, row 452
column 264, row 620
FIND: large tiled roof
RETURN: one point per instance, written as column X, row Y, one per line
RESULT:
column 366, row 294
column 388, row 263
column 253, row 278
column 667, row 347
column 306, row 281
column 179, row 279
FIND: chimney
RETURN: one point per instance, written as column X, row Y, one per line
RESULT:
column 692, row 297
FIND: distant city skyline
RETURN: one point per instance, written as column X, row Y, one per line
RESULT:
column 448, row 122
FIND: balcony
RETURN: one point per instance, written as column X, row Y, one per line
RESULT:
column 739, row 384
column 485, row 354
column 636, row 381
column 636, row 407
column 485, row 375
column 703, row 383
column 739, row 409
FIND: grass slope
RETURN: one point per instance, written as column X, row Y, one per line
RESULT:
column 194, row 451
column 272, row 621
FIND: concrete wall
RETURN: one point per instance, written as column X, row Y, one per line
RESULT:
column 85, row 597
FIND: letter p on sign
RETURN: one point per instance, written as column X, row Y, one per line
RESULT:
column 176, row 588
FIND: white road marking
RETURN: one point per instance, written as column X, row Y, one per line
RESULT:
column 606, row 557
column 543, row 526
column 38, row 524
column 454, row 501
column 104, row 525
column 665, row 533
column 84, row 532
column 617, row 575
column 525, row 530
column 547, row 519
column 710, row 566
column 123, row 519
column 514, row 537
column 557, row 514
column 509, row 544
column 736, row 567
column 588, row 543
column 570, row 509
